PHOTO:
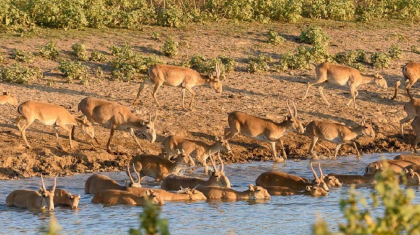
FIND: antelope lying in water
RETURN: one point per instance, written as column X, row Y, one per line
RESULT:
column 175, row 76
column 314, row 191
column 194, row 148
column 217, row 179
column 413, row 159
column 411, row 72
column 159, row 167
column 96, row 183
column 185, row 194
column 33, row 200
column 282, row 179
column 355, row 179
column 64, row 198
column 263, row 129
column 412, row 108
column 396, row 165
column 116, row 117
column 253, row 193
column 49, row 114
column 342, row 75
column 336, row 133
column 117, row 197
column 7, row 98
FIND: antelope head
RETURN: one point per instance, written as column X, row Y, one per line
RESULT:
column 319, row 181
column 380, row 81
column 413, row 177
column 316, row 191
column 194, row 194
column 48, row 196
column 214, row 80
column 132, row 183
column 224, row 144
column 12, row 100
column 183, row 158
column 367, row 129
column 258, row 192
column 86, row 126
column 148, row 128
column 218, row 175
column 293, row 123
column 74, row 201
column 373, row 168
column 330, row 180
column 155, row 198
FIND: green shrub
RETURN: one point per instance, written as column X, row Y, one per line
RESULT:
column 287, row 10
column 395, row 52
column 155, row 36
column 415, row 49
column 80, row 51
column 228, row 62
column 97, row 56
column 380, row 60
column 341, row 10
column 274, row 38
column 23, row 56
column 207, row 66
column 99, row 73
column 399, row 214
column 73, row 70
column 303, row 58
column 49, row 51
column 315, row 9
column 1, row 57
column 314, row 35
column 150, row 223
column 170, row 47
column 259, row 63
column 170, row 17
column 352, row 58
column 21, row 74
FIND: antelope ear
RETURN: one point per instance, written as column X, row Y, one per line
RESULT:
column 251, row 187
column 71, row 197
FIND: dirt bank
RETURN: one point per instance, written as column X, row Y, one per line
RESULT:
column 262, row 94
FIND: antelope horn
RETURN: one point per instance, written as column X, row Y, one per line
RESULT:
column 313, row 172
column 221, row 162
column 42, row 184
column 294, row 106
column 320, row 170
column 150, row 118
column 212, row 162
column 217, row 70
column 290, row 110
column 137, row 173
column 129, row 173
column 55, row 184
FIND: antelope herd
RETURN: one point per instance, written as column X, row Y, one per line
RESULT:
column 178, row 153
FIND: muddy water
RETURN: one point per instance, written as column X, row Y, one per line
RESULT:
column 280, row 215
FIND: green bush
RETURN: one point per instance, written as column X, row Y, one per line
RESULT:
column 352, row 58
column 380, row 60
column 23, row 56
column 97, row 56
column 259, row 63
column 73, row 70
column 399, row 214
column 314, row 35
column 207, row 66
column 315, row 9
column 21, row 74
column 150, row 223
column 227, row 62
column 155, row 36
column 341, row 10
column 170, row 17
column 274, row 38
column 1, row 57
column 170, row 47
column 80, row 51
column 395, row 52
column 49, row 51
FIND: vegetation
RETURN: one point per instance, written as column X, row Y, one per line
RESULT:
column 23, row 56
column 21, row 74
column 353, row 59
column 97, row 56
column 170, row 47
column 395, row 52
column 380, row 60
column 399, row 216
column 73, row 71
column 49, row 51
column 171, row 13
column 314, row 35
column 80, row 51
column 274, row 38
column 259, row 63
column 150, row 223
column 207, row 66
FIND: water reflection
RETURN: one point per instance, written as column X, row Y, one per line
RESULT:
column 280, row 215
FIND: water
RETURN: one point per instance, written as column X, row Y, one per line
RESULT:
column 280, row 215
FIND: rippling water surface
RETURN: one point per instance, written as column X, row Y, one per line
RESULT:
column 280, row 215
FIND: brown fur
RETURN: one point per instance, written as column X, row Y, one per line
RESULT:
column 62, row 197
column 411, row 73
column 118, row 197
column 286, row 191
column 7, row 98
column 253, row 193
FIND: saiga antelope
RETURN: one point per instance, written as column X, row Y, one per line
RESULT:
column 7, row 98
column 33, row 200
column 253, row 193
column 263, row 129
column 96, row 183
column 414, row 159
column 276, row 178
column 411, row 73
column 116, row 117
column 175, row 76
column 336, row 133
column 342, row 75
column 117, row 197
column 415, row 124
column 412, row 108
column 355, row 179
column 395, row 165
column 185, row 194
column 49, row 114
column 62, row 197
column 159, row 167
column 217, row 178
column 310, row 190
column 194, row 148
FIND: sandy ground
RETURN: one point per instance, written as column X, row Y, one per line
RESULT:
column 262, row 94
